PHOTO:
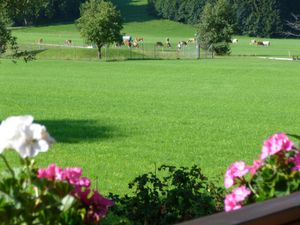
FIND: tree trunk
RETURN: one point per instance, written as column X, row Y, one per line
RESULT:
column 99, row 53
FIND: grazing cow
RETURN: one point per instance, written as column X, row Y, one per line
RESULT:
column 259, row 43
column 159, row 44
column 139, row 39
column 68, row 42
column 40, row 41
column 135, row 44
column 183, row 43
column 266, row 43
column 127, row 43
column 234, row 41
column 191, row 40
column 253, row 42
column 168, row 44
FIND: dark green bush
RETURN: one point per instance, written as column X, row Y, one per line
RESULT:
column 168, row 196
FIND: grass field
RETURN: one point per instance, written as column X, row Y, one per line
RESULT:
column 117, row 120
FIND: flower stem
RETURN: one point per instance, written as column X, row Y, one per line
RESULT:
column 7, row 165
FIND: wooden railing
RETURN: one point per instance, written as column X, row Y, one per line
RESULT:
column 283, row 210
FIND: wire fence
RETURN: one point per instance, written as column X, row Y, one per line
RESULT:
column 115, row 53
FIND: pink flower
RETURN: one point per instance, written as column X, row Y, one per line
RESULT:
column 84, row 182
column 296, row 161
column 241, row 193
column 230, row 203
column 233, row 201
column 237, row 169
column 51, row 173
column 72, row 175
column 256, row 165
column 276, row 143
column 96, row 205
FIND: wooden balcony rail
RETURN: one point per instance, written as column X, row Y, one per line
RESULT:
column 278, row 211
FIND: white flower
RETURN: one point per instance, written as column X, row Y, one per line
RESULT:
column 27, row 138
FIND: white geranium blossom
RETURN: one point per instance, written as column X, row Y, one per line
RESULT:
column 27, row 138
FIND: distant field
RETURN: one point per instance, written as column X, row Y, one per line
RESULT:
column 117, row 120
column 152, row 31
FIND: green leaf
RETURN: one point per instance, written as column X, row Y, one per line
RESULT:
column 67, row 202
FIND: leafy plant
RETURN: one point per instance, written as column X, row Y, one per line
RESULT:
column 174, row 195
column 53, row 195
column 275, row 174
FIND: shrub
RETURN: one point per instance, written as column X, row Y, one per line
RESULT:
column 174, row 195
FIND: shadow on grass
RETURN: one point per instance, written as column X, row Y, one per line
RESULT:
column 75, row 131
column 132, row 11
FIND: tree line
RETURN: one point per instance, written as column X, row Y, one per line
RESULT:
column 33, row 12
column 262, row 18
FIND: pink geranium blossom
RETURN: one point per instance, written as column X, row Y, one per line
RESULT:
column 296, row 161
column 233, row 201
column 256, row 165
column 95, row 204
column 276, row 143
column 51, row 173
column 237, row 169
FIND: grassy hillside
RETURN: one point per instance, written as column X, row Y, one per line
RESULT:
column 139, row 24
column 117, row 120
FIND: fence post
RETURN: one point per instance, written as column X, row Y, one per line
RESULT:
column 198, row 49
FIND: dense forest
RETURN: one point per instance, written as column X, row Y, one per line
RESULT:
column 24, row 12
column 264, row 18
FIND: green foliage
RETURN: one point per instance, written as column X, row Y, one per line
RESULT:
column 26, row 199
column 100, row 23
column 173, row 196
column 276, row 178
column 9, row 41
column 186, row 11
column 258, row 18
column 215, row 28
column 23, row 11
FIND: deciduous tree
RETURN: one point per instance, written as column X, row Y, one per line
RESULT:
column 215, row 28
column 100, row 23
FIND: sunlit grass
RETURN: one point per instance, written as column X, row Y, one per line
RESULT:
column 118, row 120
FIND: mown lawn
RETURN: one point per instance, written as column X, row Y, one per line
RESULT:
column 117, row 120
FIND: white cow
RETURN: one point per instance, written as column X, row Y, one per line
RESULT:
column 234, row 41
column 266, row 43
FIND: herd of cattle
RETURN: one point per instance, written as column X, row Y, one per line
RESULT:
column 136, row 42
column 253, row 42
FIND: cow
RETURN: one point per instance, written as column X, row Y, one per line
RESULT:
column 135, row 44
column 40, row 41
column 68, row 42
column 127, row 43
column 159, row 44
column 191, row 40
column 139, row 39
column 253, row 42
column 259, row 43
column 168, row 44
column 183, row 43
column 234, row 41
column 266, row 43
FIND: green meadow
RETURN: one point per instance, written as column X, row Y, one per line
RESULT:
column 119, row 119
